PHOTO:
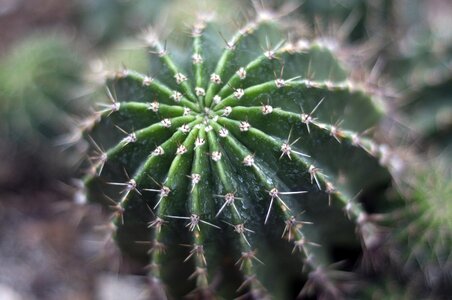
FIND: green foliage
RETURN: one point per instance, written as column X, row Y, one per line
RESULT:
column 245, row 152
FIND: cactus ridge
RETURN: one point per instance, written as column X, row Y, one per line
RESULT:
column 241, row 147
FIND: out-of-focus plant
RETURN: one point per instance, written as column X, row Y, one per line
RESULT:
column 419, row 242
column 40, row 93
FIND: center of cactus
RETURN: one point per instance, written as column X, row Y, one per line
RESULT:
column 233, row 155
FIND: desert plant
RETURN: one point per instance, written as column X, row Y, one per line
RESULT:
column 40, row 77
column 40, row 94
column 421, row 237
column 219, row 169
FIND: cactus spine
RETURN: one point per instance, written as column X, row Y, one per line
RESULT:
column 251, row 153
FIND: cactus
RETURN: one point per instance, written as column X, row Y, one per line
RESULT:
column 39, row 77
column 40, row 89
column 239, row 168
column 421, row 237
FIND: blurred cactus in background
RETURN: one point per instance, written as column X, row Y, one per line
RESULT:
column 418, row 245
column 424, row 229
column 41, row 93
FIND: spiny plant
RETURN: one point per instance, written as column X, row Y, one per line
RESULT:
column 238, row 166
column 421, row 238
column 40, row 85
column 39, row 77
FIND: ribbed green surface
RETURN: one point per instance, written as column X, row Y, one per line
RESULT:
column 239, row 181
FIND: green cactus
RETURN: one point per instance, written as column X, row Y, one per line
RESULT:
column 40, row 93
column 421, row 235
column 216, row 170
column 40, row 77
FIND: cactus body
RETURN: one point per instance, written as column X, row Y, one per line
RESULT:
column 40, row 93
column 39, row 79
column 249, row 154
column 421, row 239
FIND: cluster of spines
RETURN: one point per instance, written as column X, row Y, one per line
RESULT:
column 205, row 136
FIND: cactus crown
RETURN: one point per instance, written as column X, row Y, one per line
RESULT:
column 234, row 157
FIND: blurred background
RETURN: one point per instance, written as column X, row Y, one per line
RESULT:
column 53, row 56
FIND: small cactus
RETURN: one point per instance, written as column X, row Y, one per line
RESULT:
column 40, row 77
column 238, row 172
column 41, row 91
column 420, row 241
